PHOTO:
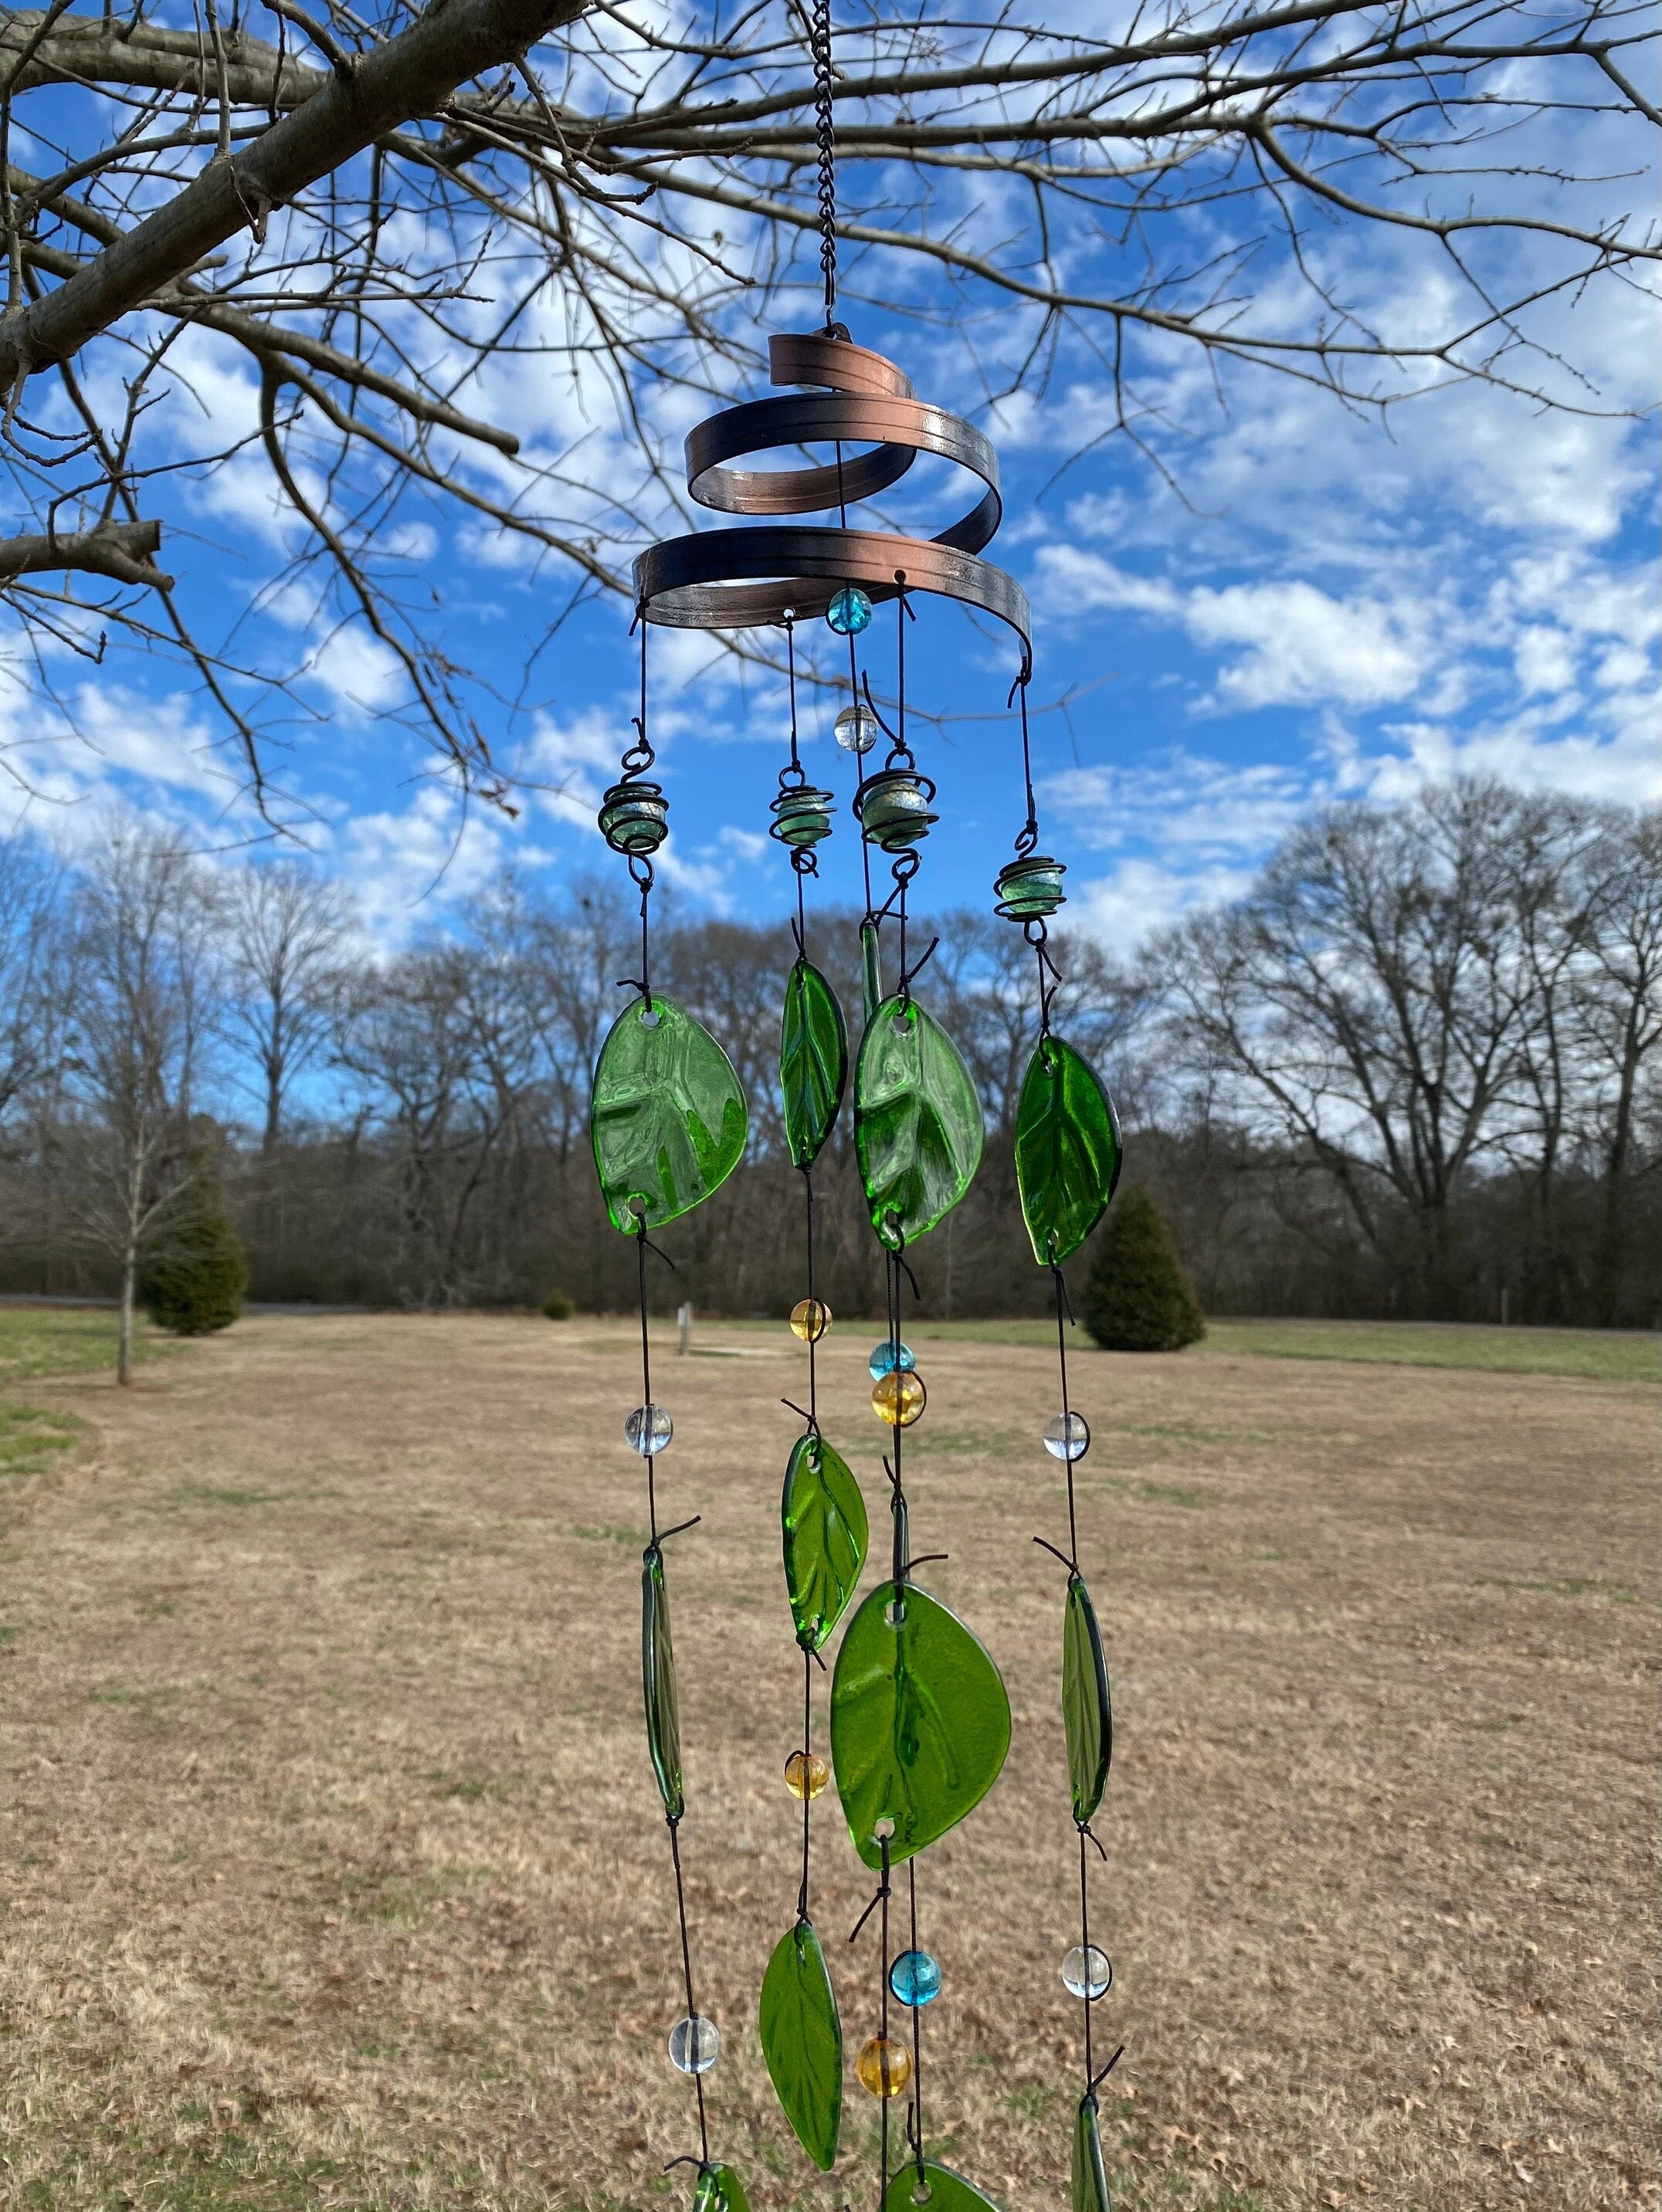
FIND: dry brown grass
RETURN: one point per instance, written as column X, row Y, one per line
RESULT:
column 334, row 1876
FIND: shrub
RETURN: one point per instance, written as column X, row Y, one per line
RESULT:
column 558, row 1307
column 1138, row 1298
column 194, row 1284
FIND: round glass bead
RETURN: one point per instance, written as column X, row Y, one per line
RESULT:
column 915, row 1978
column 649, row 1430
column 802, row 815
column 1030, row 888
column 849, row 612
column 894, row 808
column 885, row 1359
column 1087, row 1973
column 633, row 817
column 806, row 1774
column 900, row 1399
column 884, row 2067
column 856, row 729
column 1067, row 1435
column 809, row 1318
column 695, row 2044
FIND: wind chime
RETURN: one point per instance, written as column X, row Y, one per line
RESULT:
column 919, row 1722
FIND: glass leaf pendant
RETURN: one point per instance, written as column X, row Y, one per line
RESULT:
column 1086, row 1714
column 802, row 2042
column 919, row 1721
column 937, row 2189
column 1067, row 1150
column 663, row 1717
column 814, row 1061
column 720, row 2190
column 667, row 1119
column 1090, row 2177
column 826, row 1531
column 918, row 1122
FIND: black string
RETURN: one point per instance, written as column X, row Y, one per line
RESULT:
column 686, row 1969
column 807, row 1762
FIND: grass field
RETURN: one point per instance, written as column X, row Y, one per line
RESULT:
column 333, row 1875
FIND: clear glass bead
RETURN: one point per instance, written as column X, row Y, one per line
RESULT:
column 849, row 612
column 695, row 2044
column 885, row 1359
column 806, row 1774
column 809, row 1318
column 649, row 1430
column 1087, row 1973
column 915, row 1978
column 1067, row 1435
column 884, row 2067
column 900, row 1399
column 856, row 729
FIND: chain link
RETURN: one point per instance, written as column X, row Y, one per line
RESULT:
column 825, row 138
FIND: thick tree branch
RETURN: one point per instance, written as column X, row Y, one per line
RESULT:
column 120, row 550
column 409, row 76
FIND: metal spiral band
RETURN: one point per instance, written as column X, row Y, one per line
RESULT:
column 747, row 578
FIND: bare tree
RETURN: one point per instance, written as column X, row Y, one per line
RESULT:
column 30, row 1003
column 388, row 224
column 1618, row 1013
column 290, row 930
column 1368, row 1006
column 145, row 950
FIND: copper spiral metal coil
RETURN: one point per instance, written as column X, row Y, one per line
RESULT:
column 746, row 578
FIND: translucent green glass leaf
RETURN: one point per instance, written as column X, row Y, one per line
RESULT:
column 919, row 1721
column 802, row 2042
column 663, row 1717
column 814, row 1061
column 1067, row 1150
column 917, row 1121
column 668, row 1117
column 1087, row 1715
column 824, row 1516
column 1090, row 2191
column 720, row 2190
column 939, row 2189
column 871, row 971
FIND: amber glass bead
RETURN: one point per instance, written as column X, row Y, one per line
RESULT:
column 806, row 1774
column 809, row 1318
column 884, row 2067
column 900, row 1399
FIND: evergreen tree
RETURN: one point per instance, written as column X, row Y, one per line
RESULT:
column 1137, row 1297
column 194, row 1285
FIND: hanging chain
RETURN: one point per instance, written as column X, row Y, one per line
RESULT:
column 819, row 34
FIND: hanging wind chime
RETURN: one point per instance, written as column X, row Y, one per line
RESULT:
column 919, row 1723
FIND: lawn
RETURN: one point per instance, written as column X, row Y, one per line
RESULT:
column 332, row 1872
column 1609, row 1355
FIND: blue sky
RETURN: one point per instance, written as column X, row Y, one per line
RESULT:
column 1273, row 601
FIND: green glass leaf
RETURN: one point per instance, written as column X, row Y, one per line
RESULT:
column 918, row 1123
column 663, row 1717
column 871, row 971
column 802, row 2041
column 1086, row 1714
column 937, row 2190
column 1090, row 2191
column 814, row 1061
column 667, row 1116
column 824, row 1516
column 1067, row 1150
column 720, row 2190
column 920, row 1722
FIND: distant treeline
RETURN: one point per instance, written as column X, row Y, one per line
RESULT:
column 1413, row 1073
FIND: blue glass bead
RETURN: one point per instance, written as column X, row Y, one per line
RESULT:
column 915, row 1978
column 849, row 612
column 883, row 1360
